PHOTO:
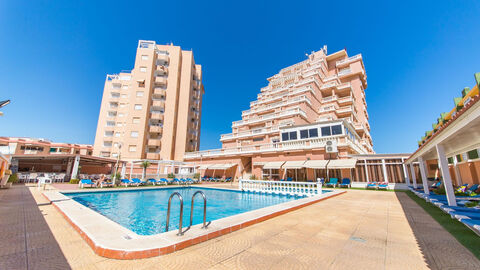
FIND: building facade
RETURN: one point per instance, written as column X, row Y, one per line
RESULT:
column 154, row 111
column 10, row 146
column 310, row 115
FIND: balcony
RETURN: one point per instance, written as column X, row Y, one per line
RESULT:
column 160, row 91
column 278, row 105
column 162, row 59
column 344, row 72
column 154, row 142
column 155, row 129
column 290, row 112
column 161, row 70
column 161, row 80
column 153, row 156
column 249, row 133
column 328, row 85
column 342, row 141
column 158, row 103
column 344, row 62
column 345, row 100
column 156, row 115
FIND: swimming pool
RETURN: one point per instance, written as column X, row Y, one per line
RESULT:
column 144, row 211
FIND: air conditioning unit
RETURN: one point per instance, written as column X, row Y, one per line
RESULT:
column 331, row 147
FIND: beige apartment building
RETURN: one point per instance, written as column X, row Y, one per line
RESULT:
column 312, row 116
column 152, row 112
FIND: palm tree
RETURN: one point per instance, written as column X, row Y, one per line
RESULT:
column 145, row 164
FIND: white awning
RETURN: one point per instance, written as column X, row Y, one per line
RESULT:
column 273, row 165
column 297, row 164
column 221, row 166
column 316, row 164
column 342, row 163
column 259, row 163
column 204, row 166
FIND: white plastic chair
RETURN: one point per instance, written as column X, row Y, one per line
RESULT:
column 32, row 177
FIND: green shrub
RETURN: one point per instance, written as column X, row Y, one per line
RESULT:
column 472, row 203
column 171, row 175
column 117, row 176
column 196, row 176
column 74, row 181
column 440, row 190
column 13, row 178
column 253, row 177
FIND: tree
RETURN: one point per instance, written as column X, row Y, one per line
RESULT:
column 145, row 164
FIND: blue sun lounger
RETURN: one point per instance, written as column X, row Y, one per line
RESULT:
column 126, row 182
column 345, row 183
column 84, row 182
column 332, row 183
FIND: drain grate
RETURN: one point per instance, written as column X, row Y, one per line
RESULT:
column 358, row 239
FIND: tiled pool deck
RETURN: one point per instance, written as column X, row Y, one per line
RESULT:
column 357, row 230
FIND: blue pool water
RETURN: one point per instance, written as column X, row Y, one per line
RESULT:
column 144, row 211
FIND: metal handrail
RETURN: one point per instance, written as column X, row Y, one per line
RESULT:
column 205, row 225
column 180, row 233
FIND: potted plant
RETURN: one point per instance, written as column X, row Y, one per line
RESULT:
column 12, row 178
column 170, row 176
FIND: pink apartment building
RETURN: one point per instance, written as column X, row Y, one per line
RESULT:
column 153, row 111
column 312, row 116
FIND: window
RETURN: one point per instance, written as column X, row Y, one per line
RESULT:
column 313, row 133
column 124, row 95
column 110, row 123
column 122, row 105
column 138, row 107
column 114, row 95
column 118, row 134
column 132, row 148
column 257, row 139
column 116, row 86
column 472, row 154
column 121, row 115
column 115, row 155
column 326, row 131
column 108, row 133
column 105, row 154
column 143, row 69
column 285, row 136
column 304, row 134
column 112, row 114
column 139, row 93
column 337, row 130
column 144, row 57
column 119, row 124
column 459, row 158
column 134, row 134
column 136, row 120
column 107, row 144
column 293, row 135
column 125, row 87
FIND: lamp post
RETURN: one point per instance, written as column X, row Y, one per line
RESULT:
column 119, row 146
column 3, row 104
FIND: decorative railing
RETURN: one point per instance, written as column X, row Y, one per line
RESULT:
column 270, row 116
column 281, row 187
column 350, row 59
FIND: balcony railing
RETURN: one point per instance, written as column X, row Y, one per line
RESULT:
column 342, row 140
column 278, row 104
column 261, row 118
column 248, row 133
column 344, row 72
column 154, row 142
column 348, row 60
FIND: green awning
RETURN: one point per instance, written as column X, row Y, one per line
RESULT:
column 465, row 91
column 477, row 78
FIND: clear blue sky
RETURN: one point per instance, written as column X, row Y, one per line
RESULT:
column 54, row 57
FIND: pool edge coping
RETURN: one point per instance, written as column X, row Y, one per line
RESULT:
column 167, row 242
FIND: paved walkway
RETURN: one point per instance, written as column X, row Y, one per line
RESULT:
column 26, row 240
column 357, row 230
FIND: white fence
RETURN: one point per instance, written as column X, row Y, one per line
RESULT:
column 281, row 187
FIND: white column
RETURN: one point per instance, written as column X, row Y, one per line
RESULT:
column 158, row 170
column 457, row 171
column 366, row 171
column 405, row 173
column 75, row 167
column 414, row 177
column 124, row 170
column 423, row 173
column 384, row 167
column 447, row 180
column 131, row 169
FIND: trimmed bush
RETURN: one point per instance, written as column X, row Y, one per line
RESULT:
column 171, row 175
column 13, row 178
column 196, row 176
column 74, row 181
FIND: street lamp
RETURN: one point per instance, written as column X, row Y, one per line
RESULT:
column 3, row 104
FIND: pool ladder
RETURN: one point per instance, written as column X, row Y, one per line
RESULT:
column 180, row 232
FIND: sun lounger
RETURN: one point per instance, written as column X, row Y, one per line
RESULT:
column 383, row 185
column 126, row 182
column 372, row 185
column 345, row 183
column 332, row 183
column 84, row 182
column 136, row 181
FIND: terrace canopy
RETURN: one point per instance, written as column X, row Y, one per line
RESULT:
column 316, row 164
column 221, row 166
column 273, row 165
column 342, row 163
column 297, row 164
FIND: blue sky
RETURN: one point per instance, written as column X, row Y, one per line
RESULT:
column 54, row 57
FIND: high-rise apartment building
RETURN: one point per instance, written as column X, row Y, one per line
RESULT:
column 153, row 111
column 303, row 109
